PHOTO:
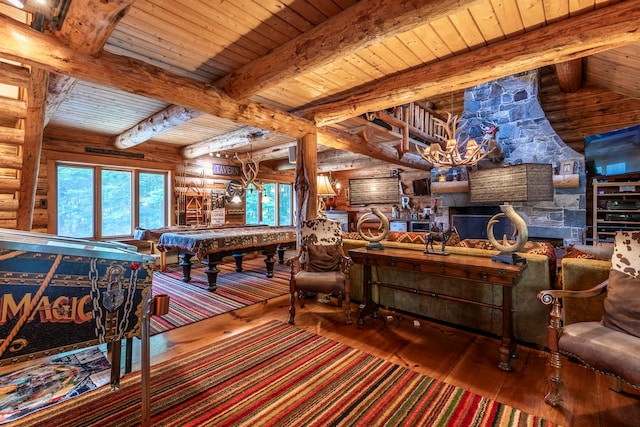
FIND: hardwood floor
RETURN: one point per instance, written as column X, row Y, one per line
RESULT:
column 459, row 357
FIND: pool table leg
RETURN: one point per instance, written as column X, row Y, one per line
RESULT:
column 212, row 271
column 185, row 263
column 269, row 260
column 238, row 259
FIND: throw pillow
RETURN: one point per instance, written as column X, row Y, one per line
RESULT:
column 622, row 303
column 323, row 258
column 571, row 252
column 626, row 253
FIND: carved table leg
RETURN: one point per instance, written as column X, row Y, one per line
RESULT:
column 238, row 258
column 269, row 260
column 367, row 306
column 185, row 263
column 281, row 250
column 212, row 271
column 508, row 342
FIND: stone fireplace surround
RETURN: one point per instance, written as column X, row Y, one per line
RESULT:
column 526, row 136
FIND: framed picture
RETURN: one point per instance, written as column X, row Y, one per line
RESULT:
column 566, row 168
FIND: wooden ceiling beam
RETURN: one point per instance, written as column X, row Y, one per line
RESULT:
column 86, row 27
column 603, row 29
column 158, row 123
column 358, row 27
column 20, row 43
column 228, row 142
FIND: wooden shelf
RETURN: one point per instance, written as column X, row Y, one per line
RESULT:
column 607, row 220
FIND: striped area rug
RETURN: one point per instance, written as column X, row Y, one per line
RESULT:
column 276, row 375
column 192, row 302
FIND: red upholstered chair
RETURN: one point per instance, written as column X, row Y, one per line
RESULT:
column 610, row 346
column 321, row 265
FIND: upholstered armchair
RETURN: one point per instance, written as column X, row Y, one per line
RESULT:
column 612, row 345
column 321, row 265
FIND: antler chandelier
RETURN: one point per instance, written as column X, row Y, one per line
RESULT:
column 454, row 153
column 250, row 168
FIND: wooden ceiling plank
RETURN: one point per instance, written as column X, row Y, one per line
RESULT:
column 467, row 28
column 386, row 59
column 555, row 10
column 435, row 43
column 357, row 27
column 445, row 31
column 190, row 40
column 487, row 22
column 508, row 16
column 286, row 13
column 531, row 14
column 309, row 12
column 587, row 34
column 271, row 18
column 414, row 41
column 220, row 22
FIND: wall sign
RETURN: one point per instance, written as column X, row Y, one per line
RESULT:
column 364, row 191
column 230, row 170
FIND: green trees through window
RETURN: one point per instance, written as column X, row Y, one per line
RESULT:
column 127, row 198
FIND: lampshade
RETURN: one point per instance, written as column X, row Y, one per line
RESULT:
column 324, row 187
column 527, row 182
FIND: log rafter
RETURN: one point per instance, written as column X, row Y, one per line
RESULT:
column 86, row 27
column 135, row 76
column 355, row 28
column 603, row 29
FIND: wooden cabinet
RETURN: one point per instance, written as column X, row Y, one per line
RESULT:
column 616, row 206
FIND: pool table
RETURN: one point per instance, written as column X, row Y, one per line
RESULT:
column 211, row 245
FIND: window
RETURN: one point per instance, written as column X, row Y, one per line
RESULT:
column 271, row 206
column 97, row 202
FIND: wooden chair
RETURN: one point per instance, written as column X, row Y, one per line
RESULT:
column 612, row 345
column 321, row 265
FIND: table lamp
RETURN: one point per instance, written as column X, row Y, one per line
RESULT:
column 324, row 189
column 527, row 182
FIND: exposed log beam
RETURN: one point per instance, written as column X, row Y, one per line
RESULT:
column 569, row 75
column 230, row 141
column 60, row 86
column 22, row 44
column 606, row 28
column 356, row 28
column 86, row 27
column 345, row 141
column 160, row 122
column 39, row 50
column 34, row 125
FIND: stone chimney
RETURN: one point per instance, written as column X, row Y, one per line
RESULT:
column 526, row 136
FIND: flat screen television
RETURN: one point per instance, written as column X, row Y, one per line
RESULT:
column 613, row 153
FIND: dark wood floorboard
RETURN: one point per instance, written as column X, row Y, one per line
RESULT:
column 459, row 357
column 463, row 358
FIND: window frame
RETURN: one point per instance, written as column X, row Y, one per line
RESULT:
column 98, row 167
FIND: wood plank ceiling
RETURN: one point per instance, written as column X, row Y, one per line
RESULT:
column 331, row 60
